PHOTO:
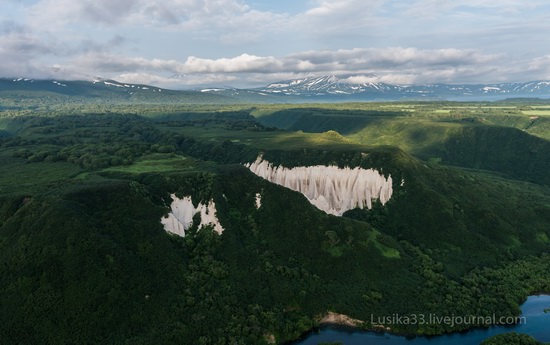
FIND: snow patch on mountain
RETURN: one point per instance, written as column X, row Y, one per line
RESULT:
column 180, row 218
column 329, row 188
column 331, row 85
column 371, row 86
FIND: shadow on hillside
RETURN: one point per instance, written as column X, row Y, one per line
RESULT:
column 501, row 149
column 319, row 120
column 460, row 143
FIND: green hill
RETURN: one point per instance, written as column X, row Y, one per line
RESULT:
column 473, row 138
column 25, row 93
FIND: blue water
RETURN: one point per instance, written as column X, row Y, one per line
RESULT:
column 536, row 324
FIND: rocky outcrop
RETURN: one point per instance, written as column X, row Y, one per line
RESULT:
column 258, row 200
column 332, row 318
column 180, row 219
column 330, row 188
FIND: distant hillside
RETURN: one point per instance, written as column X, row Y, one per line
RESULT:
column 101, row 90
column 331, row 88
column 512, row 143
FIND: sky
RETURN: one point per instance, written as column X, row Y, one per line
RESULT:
column 246, row 43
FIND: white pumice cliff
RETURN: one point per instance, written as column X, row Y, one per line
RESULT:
column 258, row 200
column 330, row 188
column 180, row 219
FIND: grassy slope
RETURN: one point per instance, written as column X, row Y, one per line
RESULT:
column 470, row 137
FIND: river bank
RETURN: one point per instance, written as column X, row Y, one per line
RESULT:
column 339, row 327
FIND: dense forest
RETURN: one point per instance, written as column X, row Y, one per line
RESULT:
column 84, row 257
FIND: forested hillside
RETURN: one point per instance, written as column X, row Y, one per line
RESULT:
column 84, row 257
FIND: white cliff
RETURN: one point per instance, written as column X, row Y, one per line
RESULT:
column 330, row 188
column 258, row 200
column 180, row 219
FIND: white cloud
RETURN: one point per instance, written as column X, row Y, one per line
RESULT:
column 20, row 52
column 413, row 56
column 329, row 8
column 393, row 65
column 234, row 41
column 171, row 14
column 372, row 58
column 153, row 79
column 398, row 79
column 107, row 11
column 54, row 15
column 243, row 63
column 330, row 18
column 540, row 66
column 310, row 61
column 23, row 44
column 484, row 8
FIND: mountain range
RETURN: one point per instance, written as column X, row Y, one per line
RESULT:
column 330, row 88
column 366, row 87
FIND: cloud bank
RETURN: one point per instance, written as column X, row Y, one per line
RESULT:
column 254, row 43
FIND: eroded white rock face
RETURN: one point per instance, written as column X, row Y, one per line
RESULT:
column 258, row 200
column 330, row 188
column 180, row 218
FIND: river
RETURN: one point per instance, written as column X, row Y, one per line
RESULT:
column 537, row 325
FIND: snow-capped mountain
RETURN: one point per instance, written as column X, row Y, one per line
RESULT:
column 332, row 85
column 502, row 90
column 330, row 88
column 101, row 90
column 73, row 86
column 366, row 87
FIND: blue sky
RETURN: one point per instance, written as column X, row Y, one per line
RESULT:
column 192, row 43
